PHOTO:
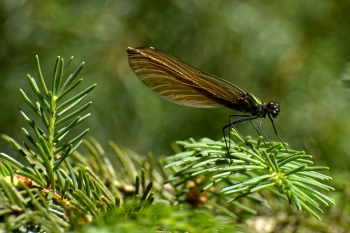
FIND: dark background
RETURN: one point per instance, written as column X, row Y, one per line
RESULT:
column 294, row 52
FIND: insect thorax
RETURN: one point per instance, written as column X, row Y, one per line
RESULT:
column 250, row 103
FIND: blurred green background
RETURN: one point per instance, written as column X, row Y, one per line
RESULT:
column 295, row 52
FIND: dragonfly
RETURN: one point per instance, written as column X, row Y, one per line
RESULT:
column 183, row 84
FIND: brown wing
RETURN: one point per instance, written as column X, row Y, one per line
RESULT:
column 178, row 82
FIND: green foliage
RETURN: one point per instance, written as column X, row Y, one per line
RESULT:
column 295, row 52
column 45, row 181
column 200, row 189
column 49, row 141
column 162, row 218
column 245, row 170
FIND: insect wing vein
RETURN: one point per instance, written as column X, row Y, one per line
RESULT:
column 179, row 82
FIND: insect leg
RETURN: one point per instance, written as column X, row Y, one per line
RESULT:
column 251, row 121
column 274, row 128
column 223, row 132
column 257, row 130
column 227, row 147
column 235, row 122
column 259, row 126
column 230, row 125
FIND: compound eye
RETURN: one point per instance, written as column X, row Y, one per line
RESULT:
column 274, row 108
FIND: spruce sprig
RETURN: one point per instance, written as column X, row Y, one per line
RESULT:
column 251, row 166
column 48, row 146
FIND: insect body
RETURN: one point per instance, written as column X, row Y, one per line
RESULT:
column 181, row 83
